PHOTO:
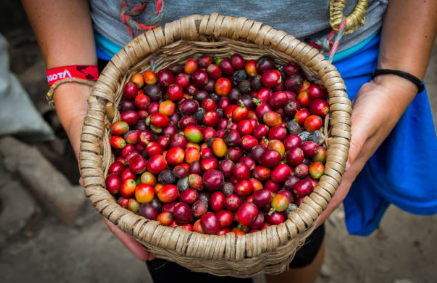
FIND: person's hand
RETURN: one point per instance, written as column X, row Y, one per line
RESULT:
column 129, row 242
column 71, row 106
column 376, row 109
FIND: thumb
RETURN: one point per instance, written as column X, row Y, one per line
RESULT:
column 358, row 138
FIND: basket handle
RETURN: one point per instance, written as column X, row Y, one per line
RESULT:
column 356, row 19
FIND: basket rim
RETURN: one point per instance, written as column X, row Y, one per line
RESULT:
column 193, row 28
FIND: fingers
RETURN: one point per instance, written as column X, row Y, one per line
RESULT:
column 129, row 242
column 359, row 135
column 339, row 195
column 348, row 178
column 151, row 257
column 359, row 132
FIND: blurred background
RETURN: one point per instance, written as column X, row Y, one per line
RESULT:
column 50, row 233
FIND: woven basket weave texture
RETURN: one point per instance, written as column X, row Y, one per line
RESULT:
column 270, row 250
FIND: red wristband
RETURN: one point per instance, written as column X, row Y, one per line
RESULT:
column 85, row 72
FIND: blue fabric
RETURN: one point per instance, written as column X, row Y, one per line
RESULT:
column 400, row 171
column 105, row 48
column 102, row 55
column 347, row 52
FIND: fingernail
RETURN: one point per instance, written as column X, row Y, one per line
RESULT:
column 348, row 165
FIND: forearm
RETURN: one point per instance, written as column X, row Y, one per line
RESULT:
column 408, row 36
column 64, row 32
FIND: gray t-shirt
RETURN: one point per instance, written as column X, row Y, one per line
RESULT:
column 302, row 19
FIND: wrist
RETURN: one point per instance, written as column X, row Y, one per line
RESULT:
column 72, row 92
column 407, row 76
column 398, row 92
column 396, row 83
column 71, row 107
column 84, row 74
column 406, row 65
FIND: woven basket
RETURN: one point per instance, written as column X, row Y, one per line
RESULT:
column 270, row 250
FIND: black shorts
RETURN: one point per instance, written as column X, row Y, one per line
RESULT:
column 166, row 271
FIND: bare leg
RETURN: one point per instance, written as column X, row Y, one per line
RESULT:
column 307, row 274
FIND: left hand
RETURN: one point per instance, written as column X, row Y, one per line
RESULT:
column 72, row 119
column 129, row 242
column 376, row 109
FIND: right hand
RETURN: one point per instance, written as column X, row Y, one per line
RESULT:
column 376, row 111
column 71, row 106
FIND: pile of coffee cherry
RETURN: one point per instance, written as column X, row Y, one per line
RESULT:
column 218, row 145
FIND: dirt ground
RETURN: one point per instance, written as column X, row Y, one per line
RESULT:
column 42, row 249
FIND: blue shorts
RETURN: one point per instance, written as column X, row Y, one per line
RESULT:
column 401, row 170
